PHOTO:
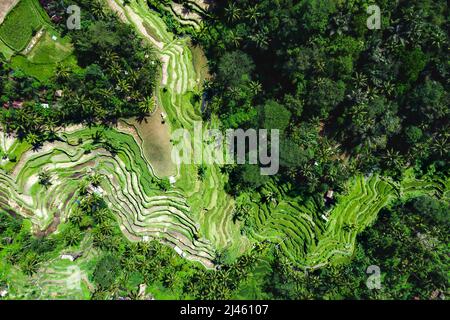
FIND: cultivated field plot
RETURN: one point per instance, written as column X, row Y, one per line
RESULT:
column 312, row 239
column 21, row 24
column 46, row 53
column 5, row 7
column 48, row 50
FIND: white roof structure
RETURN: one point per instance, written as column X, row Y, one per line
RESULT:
column 67, row 257
column 179, row 251
column 172, row 180
column 98, row 190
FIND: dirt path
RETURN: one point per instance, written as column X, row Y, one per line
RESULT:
column 33, row 41
column 5, row 7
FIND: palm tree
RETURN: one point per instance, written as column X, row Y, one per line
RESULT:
column 72, row 236
column 62, row 72
column 50, row 125
column 123, row 86
column 106, row 228
column 115, row 69
column 98, row 136
column 360, row 80
column 96, row 179
column 388, row 88
column 97, row 9
column 255, row 87
column 441, row 147
column 76, row 217
column 348, row 227
column 83, row 187
column 44, row 178
column 269, row 198
column 438, row 38
column 99, row 239
column 32, row 139
column 81, row 102
column 260, row 39
column 234, row 38
column 30, row 264
column 232, row 12
column 133, row 77
column 170, row 280
column 147, row 106
column 201, row 172
column 253, row 14
column 145, row 248
column 241, row 212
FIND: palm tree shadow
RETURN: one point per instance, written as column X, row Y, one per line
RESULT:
column 37, row 146
column 142, row 118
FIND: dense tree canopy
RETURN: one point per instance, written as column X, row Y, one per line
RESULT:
column 365, row 91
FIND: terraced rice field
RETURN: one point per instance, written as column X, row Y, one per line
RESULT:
column 142, row 210
column 312, row 238
column 185, row 17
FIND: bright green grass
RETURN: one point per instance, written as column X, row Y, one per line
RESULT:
column 6, row 51
column 40, row 71
column 42, row 60
column 16, row 150
column 48, row 50
column 20, row 24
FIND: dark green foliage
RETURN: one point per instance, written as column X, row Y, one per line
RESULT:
column 20, row 248
column 272, row 115
column 428, row 102
column 235, row 68
column 106, row 271
column 163, row 184
column 362, row 89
